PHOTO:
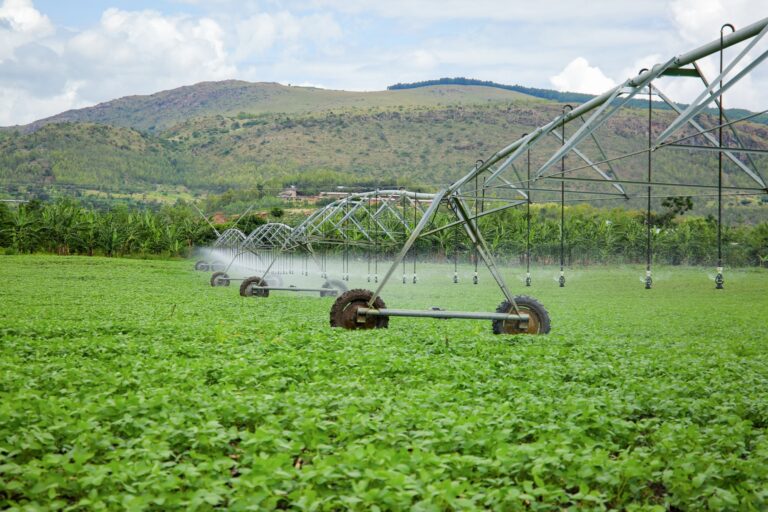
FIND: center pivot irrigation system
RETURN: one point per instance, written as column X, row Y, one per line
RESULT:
column 354, row 226
column 502, row 185
column 576, row 155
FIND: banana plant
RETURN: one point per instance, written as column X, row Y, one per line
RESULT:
column 25, row 230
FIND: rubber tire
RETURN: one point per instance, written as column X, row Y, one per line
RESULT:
column 530, row 305
column 333, row 284
column 342, row 316
column 246, row 288
column 219, row 279
column 201, row 266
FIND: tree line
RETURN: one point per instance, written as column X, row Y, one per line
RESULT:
column 562, row 96
column 592, row 235
column 548, row 94
column 66, row 226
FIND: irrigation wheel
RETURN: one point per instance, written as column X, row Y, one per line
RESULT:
column 201, row 266
column 247, row 287
column 219, row 279
column 538, row 321
column 344, row 311
column 334, row 284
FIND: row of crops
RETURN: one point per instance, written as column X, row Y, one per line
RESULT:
column 193, row 398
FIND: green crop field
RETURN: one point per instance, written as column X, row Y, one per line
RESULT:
column 132, row 384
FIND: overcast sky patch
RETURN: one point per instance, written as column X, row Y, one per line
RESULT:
column 58, row 55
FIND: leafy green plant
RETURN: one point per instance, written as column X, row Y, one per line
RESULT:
column 132, row 384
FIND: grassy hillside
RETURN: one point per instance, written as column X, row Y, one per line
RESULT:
column 100, row 156
column 434, row 145
column 162, row 110
column 267, row 136
column 219, row 135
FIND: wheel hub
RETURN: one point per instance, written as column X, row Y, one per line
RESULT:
column 344, row 312
column 538, row 318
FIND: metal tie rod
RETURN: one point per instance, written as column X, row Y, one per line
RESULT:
column 295, row 289
column 646, row 183
column 717, row 149
column 439, row 313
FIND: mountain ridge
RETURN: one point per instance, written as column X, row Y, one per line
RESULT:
column 161, row 110
column 233, row 135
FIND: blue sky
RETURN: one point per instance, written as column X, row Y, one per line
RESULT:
column 58, row 54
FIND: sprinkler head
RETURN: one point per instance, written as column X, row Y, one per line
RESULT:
column 414, row 279
column 719, row 280
column 404, row 279
column 648, row 280
column 455, row 278
column 368, row 278
column 528, row 279
column 474, row 279
column 376, row 278
column 561, row 280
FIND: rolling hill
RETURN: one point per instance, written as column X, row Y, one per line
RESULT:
column 162, row 110
column 216, row 136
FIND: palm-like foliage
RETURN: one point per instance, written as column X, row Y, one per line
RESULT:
column 65, row 227
column 24, row 231
column 592, row 235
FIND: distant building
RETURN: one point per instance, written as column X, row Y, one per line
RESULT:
column 289, row 194
column 332, row 195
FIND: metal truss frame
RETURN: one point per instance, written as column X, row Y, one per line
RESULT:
column 374, row 219
column 365, row 218
column 378, row 218
column 268, row 236
column 464, row 195
column 232, row 238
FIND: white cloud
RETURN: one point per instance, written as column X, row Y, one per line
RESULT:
column 549, row 11
column 20, row 24
column 21, row 106
column 699, row 21
column 21, row 16
column 579, row 76
column 43, row 72
column 422, row 59
column 143, row 50
column 360, row 45
column 260, row 32
column 256, row 35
